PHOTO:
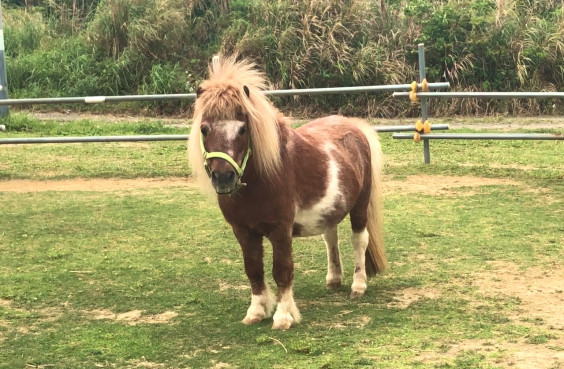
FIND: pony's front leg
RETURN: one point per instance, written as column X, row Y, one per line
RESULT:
column 287, row 313
column 262, row 299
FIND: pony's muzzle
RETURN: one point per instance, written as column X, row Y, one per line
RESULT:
column 224, row 182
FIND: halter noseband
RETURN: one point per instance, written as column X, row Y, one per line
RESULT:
column 221, row 155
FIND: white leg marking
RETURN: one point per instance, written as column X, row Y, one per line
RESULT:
column 287, row 313
column 334, row 276
column 360, row 243
column 261, row 307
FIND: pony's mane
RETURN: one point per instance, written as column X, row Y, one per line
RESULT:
column 222, row 97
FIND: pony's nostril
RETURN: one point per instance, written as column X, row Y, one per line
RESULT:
column 230, row 176
column 215, row 175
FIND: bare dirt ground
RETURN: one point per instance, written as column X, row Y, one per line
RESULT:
column 481, row 123
column 541, row 296
column 431, row 185
column 91, row 185
column 112, row 118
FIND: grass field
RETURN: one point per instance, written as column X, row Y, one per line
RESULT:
column 110, row 258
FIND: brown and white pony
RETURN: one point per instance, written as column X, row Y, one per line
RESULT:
column 275, row 182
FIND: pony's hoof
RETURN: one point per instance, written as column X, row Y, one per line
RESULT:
column 357, row 289
column 357, row 294
column 252, row 319
column 283, row 324
column 333, row 285
column 284, row 320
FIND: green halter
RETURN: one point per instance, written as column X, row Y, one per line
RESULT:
column 221, row 155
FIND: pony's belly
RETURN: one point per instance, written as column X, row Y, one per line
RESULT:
column 304, row 230
column 328, row 211
column 311, row 223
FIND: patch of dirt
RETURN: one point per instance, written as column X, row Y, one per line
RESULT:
column 404, row 298
column 344, row 322
column 426, row 184
column 96, row 185
column 541, row 291
column 145, row 364
column 132, row 317
column 68, row 116
column 442, row 185
column 513, row 355
column 509, row 124
column 7, row 304
column 221, row 365
column 224, row 286
column 534, row 356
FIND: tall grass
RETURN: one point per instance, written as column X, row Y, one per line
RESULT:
column 23, row 31
column 163, row 46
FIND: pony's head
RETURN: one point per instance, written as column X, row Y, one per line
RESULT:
column 234, row 125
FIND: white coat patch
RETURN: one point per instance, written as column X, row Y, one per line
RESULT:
column 229, row 130
column 311, row 219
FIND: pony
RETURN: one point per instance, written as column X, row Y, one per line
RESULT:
column 274, row 182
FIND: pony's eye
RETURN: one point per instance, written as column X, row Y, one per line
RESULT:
column 242, row 131
column 241, row 117
column 205, row 130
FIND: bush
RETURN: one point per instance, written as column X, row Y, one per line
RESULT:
column 22, row 32
column 117, row 47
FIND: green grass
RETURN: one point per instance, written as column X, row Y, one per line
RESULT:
column 104, row 160
column 67, row 256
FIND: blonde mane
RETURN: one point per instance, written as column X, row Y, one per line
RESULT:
column 222, row 96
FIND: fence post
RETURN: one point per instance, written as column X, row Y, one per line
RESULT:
column 424, row 111
column 4, row 109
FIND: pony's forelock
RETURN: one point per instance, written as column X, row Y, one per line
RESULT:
column 223, row 96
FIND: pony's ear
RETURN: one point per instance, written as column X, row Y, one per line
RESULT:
column 247, row 92
column 199, row 91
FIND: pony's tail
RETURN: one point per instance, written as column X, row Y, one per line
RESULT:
column 376, row 260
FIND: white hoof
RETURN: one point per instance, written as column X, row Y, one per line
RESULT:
column 261, row 307
column 287, row 313
column 285, row 320
column 333, row 281
column 253, row 318
column 358, row 289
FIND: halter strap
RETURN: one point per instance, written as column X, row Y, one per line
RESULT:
column 221, row 155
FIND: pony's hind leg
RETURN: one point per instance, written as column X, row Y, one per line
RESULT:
column 262, row 300
column 334, row 276
column 359, row 241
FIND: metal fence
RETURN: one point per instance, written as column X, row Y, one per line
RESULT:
column 141, row 138
column 415, row 91
column 191, row 96
column 423, row 96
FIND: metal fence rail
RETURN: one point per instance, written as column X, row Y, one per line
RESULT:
column 142, row 138
column 82, row 139
column 484, row 95
column 192, row 96
column 483, row 136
